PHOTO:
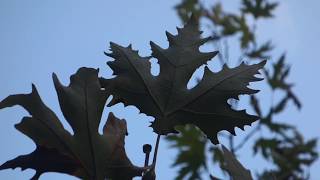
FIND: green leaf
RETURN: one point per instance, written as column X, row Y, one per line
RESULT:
column 217, row 155
column 290, row 154
column 261, row 52
column 189, row 6
column 166, row 96
column 191, row 159
column 277, row 79
column 258, row 8
column 265, row 145
column 247, row 34
column 228, row 22
column 86, row 154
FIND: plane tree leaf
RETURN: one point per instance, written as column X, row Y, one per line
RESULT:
column 234, row 167
column 166, row 96
column 260, row 52
column 191, row 159
column 258, row 8
column 86, row 153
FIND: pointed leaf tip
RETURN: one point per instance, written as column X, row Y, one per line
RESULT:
column 171, row 38
column 263, row 63
column 110, row 55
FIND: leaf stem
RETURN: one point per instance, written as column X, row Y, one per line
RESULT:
column 156, row 151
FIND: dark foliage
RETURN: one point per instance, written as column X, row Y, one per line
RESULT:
column 166, row 96
column 284, row 147
column 86, row 154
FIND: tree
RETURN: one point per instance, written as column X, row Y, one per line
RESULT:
column 284, row 146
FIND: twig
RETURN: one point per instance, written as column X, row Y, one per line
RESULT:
column 156, row 151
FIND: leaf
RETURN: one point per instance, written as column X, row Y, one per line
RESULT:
column 258, row 8
column 43, row 160
column 281, row 105
column 191, row 159
column 280, row 73
column 261, row 52
column 166, row 96
column 256, row 106
column 289, row 153
column 234, row 167
column 295, row 99
column 217, row 154
column 185, row 7
column 86, row 154
column 277, row 80
column 265, row 145
column 228, row 22
column 247, row 35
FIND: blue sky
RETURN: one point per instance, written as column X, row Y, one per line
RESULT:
column 39, row 37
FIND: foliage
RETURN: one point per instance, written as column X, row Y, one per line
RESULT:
column 284, row 146
column 192, row 145
column 166, row 96
column 202, row 110
column 86, row 154
column 90, row 155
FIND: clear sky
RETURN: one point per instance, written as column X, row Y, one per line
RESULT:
column 39, row 37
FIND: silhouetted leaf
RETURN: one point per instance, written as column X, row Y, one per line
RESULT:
column 166, row 96
column 86, row 154
column 234, row 167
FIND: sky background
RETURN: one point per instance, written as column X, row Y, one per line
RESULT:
column 39, row 37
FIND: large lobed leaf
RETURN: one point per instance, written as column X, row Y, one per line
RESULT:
column 166, row 96
column 86, row 154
